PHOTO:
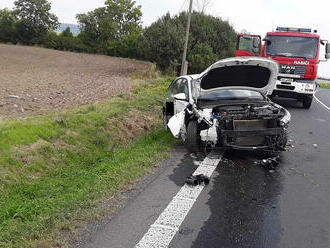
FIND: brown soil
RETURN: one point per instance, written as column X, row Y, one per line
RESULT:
column 34, row 80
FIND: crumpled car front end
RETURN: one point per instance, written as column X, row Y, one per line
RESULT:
column 246, row 126
column 230, row 108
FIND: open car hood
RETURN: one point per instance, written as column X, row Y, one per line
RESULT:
column 251, row 73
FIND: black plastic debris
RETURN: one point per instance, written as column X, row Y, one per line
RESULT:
column 197, row 180
column 269, row 163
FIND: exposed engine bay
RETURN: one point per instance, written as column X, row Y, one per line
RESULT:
column 244, row 126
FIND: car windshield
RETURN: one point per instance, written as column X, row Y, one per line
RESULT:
column 292, row 46
column 217, row 95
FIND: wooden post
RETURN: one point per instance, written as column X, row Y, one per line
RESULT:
column 184, row 65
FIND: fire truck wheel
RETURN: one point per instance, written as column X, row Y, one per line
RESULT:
column 307, row 101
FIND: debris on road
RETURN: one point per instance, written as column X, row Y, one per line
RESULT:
column 193, row 155
column 269, row 163
column 13, row 96
column 197, row 180
column 315, row 145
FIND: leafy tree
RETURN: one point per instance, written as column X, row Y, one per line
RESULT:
column 34, row 20
column 219, row 34
column 126, row 47
column 67, row 33
column 7, row 26
column 64, row 41
column 201, row 57
column 162, row 42
column 104, row 28
column 210, row 39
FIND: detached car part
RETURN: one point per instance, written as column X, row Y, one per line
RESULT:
column 197, row 180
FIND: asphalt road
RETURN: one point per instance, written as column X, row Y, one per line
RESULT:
column 244, row 205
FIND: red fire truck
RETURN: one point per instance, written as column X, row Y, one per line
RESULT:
column 297, row 51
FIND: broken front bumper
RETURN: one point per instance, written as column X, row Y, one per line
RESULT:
column 234, row 138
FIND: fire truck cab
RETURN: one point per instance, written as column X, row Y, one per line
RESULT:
column 297, row 52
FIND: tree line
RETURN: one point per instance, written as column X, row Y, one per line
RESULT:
column 116, row 30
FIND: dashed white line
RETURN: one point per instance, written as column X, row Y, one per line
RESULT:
column 161, row 233
column 319, row 101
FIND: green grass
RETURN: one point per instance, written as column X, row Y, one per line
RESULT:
column 55, row 169
column 325, row 85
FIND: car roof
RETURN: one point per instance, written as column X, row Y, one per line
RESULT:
column 192, row 76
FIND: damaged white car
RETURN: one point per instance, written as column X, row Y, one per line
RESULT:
column 227, row 106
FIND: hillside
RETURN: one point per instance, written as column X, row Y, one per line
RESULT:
column 35, row 80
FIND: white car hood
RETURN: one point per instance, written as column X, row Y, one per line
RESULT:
column 251, row 73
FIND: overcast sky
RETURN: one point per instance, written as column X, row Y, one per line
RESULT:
column 255, row 16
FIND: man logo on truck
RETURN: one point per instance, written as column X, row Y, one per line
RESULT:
column 297, row 51
column 301, row 62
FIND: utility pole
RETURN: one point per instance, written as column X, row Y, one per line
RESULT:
column 184, row 65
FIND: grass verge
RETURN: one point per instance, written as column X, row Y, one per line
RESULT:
column 55, row 169
column 325, row 85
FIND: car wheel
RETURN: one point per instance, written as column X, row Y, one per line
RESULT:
column 284, row 139
column 307, row 101
column 193, row 138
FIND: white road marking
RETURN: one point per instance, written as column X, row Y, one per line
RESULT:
column 319, row 101
column 161, row 233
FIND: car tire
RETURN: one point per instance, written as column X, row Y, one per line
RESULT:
column 284, row 139
column 193, row 138
column 307, row 101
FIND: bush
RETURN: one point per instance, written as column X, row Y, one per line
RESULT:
column 8, row 26
column 162, row 43
column 200, row 57
column 64, row 41
column 127, row 47
column 210, row 39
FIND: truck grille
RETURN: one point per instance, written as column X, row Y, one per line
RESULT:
column 293, row 69
column 285, row 87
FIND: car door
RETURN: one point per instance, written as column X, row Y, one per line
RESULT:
column 180, row 94
column 174, row 105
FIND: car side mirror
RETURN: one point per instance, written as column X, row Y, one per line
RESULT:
column 327, row 48
column 267, row 41
column 180, row 97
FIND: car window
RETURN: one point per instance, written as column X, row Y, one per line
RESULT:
column 179, row 86
column 231, row 95
column 246, row 44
